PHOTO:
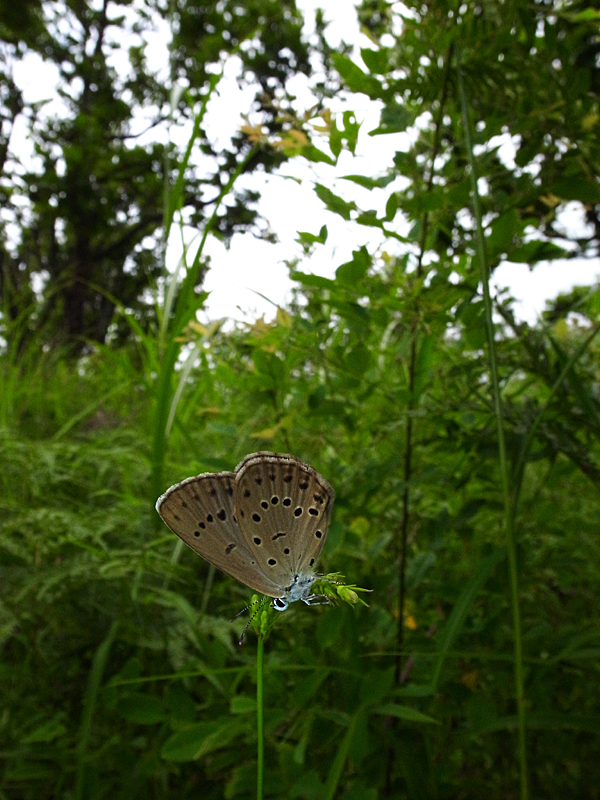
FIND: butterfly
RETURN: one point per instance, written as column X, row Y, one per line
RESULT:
column 263, row 524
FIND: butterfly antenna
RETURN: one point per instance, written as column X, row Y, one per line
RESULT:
column 243, row 611
column 258, row 610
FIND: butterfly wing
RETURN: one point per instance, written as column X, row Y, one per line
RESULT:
column 283, row 508
column 200, row 510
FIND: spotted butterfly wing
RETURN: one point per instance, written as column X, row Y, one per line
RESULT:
column 200, row 510
column 283, row 508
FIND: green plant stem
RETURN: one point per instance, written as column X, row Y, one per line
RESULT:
column 508, row 520
column 408, row 429
column 412, row 400
column 260, row 722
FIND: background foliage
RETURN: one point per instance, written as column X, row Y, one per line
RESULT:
column 119, row 668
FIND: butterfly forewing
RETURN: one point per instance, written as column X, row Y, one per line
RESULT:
column 201, row 511
column 283, row 507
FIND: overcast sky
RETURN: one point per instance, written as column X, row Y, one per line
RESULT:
column 289, row 204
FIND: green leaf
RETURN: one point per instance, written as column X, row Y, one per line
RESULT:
column 404, row 162
column 316, row 156
column 334, row 202
column 357, row 80
column 377, row 61
column 269, row 365
column 370, row 219
column 348, row 133
column 201, row 739
column 391, row 207
column 350, row 273
column 370, row 183
column 306, row 279
column 576, row 189
column 395, row 118
column 404, row 712
column 531, row 252
column 313, row 238
column 242, row 704
column 358, row 361
column 45, row 732
column 503, row 230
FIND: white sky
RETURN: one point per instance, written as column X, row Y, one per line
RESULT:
column 251, row 266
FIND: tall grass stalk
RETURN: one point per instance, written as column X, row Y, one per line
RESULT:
column 180, row 307
column 508, row 519
column 260, row 721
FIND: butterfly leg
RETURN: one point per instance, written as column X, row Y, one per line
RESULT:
column 316, row 600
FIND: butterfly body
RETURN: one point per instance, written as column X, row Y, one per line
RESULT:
column 264, row 523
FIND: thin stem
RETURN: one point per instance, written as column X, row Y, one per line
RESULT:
column 260, row 723
column 412, row 400
column 408, row 429
column 508, row 521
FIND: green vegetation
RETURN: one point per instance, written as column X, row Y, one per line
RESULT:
column 461, row 443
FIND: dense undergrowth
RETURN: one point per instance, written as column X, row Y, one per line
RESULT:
column 120, row 669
